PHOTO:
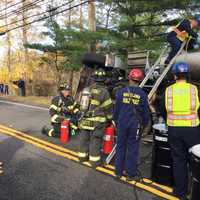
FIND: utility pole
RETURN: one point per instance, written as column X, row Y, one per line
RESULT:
column 92, row 22
column 91, row 16
column 24, row 36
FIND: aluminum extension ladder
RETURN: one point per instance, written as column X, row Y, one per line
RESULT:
column 154, row 87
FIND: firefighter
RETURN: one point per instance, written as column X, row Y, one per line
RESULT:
column 183, row 31
column 131, row 113
column 62, row 107
column 95, row 119
column 117, row 82
column 181, row 105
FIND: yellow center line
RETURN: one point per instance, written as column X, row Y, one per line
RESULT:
column 40, row 141
column 166, row 188
column 145, row 180
column 42, row 144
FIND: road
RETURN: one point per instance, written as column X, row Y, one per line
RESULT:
column 32, row 172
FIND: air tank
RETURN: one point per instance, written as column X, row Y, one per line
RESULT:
column 193, row 59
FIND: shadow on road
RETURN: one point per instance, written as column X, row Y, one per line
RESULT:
column 8, row 148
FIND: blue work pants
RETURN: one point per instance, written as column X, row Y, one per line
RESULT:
column 175, row 44
column 127, row 150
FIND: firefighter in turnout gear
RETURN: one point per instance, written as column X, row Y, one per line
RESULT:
column 183, row 31
column 181, row 110
column 62, row 107
column 95, row 119
column 131, row 113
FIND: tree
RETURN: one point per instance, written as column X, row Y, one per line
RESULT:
column 8, row 38
column 142, row 21
column 24, row 36
column 65, row 51
column 92, row 22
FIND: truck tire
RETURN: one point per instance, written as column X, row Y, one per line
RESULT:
column 92, row 60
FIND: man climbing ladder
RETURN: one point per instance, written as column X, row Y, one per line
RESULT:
column 183, row 31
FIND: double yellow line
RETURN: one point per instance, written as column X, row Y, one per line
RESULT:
column 145, row 184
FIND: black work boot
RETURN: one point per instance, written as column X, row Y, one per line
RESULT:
column 96, row 164
column 44, row 130
column 132, row 177
column 180, row 197
column 85, row 159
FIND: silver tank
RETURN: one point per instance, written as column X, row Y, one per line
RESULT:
column 193, row 59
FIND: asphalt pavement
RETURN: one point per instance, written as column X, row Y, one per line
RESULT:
column 31, row 173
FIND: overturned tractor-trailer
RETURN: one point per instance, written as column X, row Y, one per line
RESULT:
column 115, row 67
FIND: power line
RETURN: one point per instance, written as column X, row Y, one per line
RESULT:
column 29, row 5
column 25, row 18
column 12, row 5
column 7, row 3
column 45, row 17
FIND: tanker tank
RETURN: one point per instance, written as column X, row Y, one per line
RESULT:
column 193, row 59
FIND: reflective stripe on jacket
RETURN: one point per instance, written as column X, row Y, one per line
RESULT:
column 62, row 107
column 182, row 104
column 100, row 109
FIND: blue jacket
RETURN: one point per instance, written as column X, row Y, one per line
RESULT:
column 124, row 114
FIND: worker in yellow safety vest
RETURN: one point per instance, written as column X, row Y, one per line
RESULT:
column 182, row 106
column 183, row 31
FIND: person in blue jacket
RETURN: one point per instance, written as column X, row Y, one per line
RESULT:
column 183, row 31
column 131, row 113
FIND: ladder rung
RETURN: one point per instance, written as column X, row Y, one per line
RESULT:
column 149, row 73
column 164, row 73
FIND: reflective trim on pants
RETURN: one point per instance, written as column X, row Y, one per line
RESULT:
column 94, row 158
column 82, row 155
column 50, row 133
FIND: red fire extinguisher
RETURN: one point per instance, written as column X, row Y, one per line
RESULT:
column 64, row 131
column 108, row 139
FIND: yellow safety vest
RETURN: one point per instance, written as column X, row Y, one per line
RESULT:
column 182, row 104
